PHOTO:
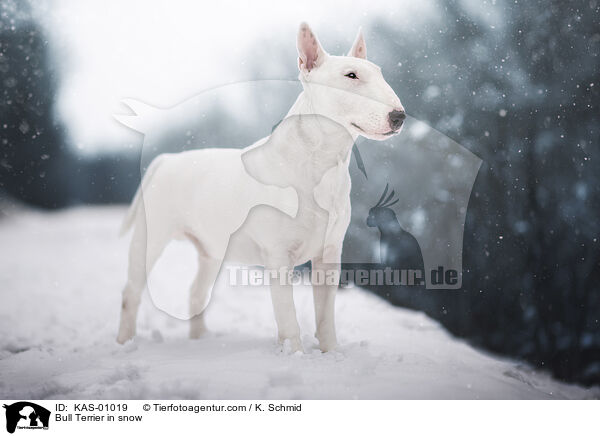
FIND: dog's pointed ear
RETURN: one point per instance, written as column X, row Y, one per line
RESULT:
column 359, row 48
column 310, row 53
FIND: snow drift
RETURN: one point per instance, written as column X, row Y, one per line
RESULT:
column 62, row 274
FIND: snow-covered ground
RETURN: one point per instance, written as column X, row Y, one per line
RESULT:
column 61, row 276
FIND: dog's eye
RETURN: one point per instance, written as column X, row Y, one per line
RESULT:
column 352, row 75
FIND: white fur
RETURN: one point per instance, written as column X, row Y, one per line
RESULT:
column 280, row 202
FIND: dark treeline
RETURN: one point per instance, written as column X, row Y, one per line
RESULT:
column 37, row 165
column 524, row 98
column 522, row 95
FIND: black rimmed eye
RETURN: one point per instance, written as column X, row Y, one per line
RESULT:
column 352, row 76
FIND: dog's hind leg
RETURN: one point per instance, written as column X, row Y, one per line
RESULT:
column 145, row 249
column 200, row 293
column 202, row 287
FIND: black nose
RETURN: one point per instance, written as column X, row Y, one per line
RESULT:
column 396, row 119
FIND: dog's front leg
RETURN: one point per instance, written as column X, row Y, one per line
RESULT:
column 325, row 278
column 285, row 311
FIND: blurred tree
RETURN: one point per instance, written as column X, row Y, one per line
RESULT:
column 523, row 96
column 33, row 159
column 37, row 163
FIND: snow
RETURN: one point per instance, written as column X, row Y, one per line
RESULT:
column 62, row 274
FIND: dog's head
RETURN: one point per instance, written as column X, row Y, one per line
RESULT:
column 350, row 90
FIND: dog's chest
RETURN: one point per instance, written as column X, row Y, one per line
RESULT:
column 269, row 237
column 323, row 216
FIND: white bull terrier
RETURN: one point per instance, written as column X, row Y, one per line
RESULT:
column 279, row 203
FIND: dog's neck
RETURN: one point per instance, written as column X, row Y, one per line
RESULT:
column 302, row 148
column 304, row 106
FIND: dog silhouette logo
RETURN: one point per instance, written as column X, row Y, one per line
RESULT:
column 26, row 415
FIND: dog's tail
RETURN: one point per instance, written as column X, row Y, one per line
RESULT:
column 135, row 204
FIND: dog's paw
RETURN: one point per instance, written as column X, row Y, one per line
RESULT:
column 197, row 327
column 327, row 346
column 126, row 333
column 327, row 342
column 124, row 336
column 291, row 345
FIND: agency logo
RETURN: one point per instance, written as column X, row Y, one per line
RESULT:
column 409, row 193
column 26, row 415
column 397, row 247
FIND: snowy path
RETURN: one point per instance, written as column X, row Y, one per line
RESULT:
column 61, row 276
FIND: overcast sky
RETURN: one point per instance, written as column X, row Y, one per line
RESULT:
column 162, row 52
